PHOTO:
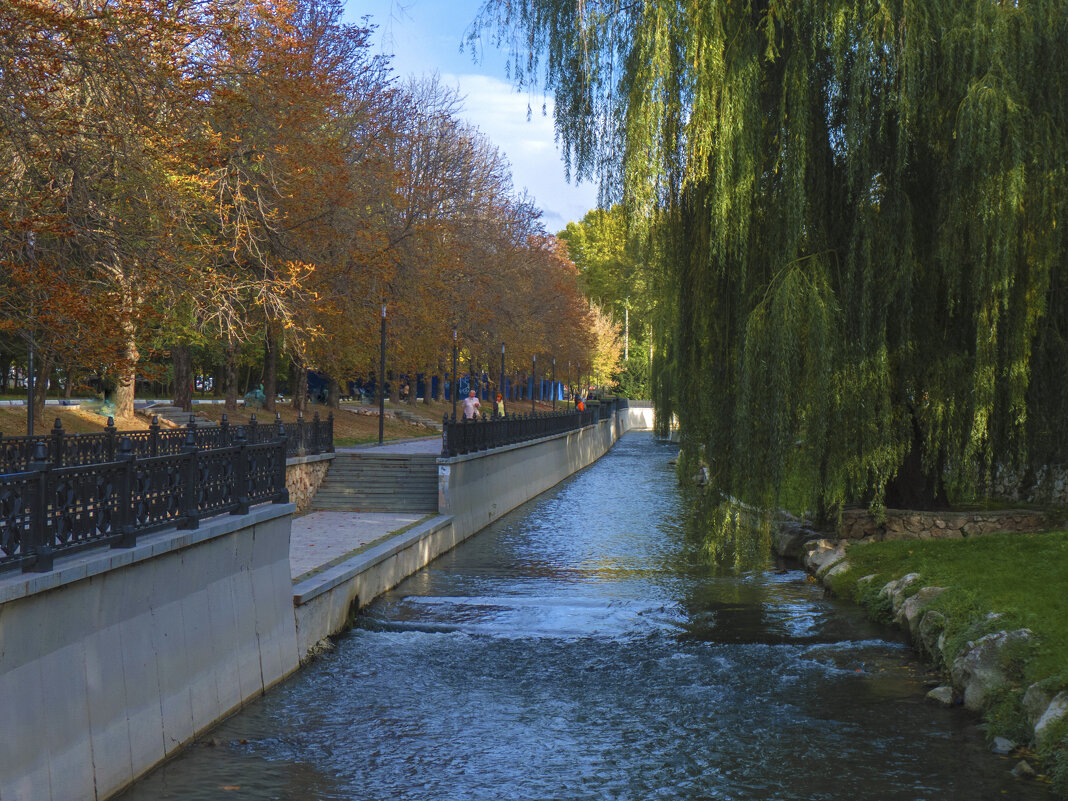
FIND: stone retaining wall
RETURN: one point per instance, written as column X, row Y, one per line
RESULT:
column 1050, row 486
column 904, row 524
column 304, row 476
column 117, row 658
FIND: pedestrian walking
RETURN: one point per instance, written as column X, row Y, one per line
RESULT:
column 471, row 405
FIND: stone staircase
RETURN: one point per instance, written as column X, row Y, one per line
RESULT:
column 409, row 416
column 173, row 417
column 386, row 482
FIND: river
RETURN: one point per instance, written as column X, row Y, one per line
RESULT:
column 583, row 648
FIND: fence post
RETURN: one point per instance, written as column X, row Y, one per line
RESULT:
column 253, row 427
column 110, row 436
column 316, row 426
column 445, row 435
column 281, row 490
column 126, row 524
column 301, row 440
column 153, row 440
column 240, row 473
column 57, row 443
column 330, row 432
column 37, row 555
column 188, row 480
column 224, row 433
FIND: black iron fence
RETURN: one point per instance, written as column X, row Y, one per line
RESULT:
column 483, row 433
column 48, row 510
column 304, row 437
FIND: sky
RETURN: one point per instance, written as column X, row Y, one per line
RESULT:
column 425, row 36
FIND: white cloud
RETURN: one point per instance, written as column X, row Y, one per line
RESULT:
column 502, row 114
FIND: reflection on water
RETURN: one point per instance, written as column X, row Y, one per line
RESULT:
column 582, row 648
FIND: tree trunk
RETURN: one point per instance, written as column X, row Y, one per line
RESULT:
column 270, row 370
column 914, row 487
column 68, row 384
column 230, row 371
column 394, row 389
column 5, row 369
column 428, row 386
column 333, row 393
column 217, row 379
column 126, row 385
column 40, row 390
column 299, row 375
column 182, row 357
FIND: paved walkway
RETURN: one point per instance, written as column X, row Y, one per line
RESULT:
column 321, row 539
column 431, row 445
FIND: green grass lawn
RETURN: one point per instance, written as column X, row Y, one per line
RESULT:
column 994, row 582
column 1021, row 577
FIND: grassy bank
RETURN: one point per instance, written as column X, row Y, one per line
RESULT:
column 995, row 582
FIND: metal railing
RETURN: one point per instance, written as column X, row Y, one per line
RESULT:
column 483, row 433
column 47, row 511
column 70, row 450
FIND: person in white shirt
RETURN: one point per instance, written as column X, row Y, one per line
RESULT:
column 471, row 405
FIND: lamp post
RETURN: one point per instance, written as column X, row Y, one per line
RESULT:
column 533, row 380
column 452, row 387
column 504, row 402
column 382, row 379
column 29, row 390
column 31, row 240
column 554, row 384
column 569, row 380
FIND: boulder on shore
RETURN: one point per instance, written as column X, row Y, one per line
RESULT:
column 981, row 670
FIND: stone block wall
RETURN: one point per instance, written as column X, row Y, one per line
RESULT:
column 905, row 524
column 1050, row 486
column 304, row 476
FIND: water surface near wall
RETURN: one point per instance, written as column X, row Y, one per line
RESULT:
column 582, row 648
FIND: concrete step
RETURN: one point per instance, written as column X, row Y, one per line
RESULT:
column 387, row 482
column 352, row 492
column 175, row 416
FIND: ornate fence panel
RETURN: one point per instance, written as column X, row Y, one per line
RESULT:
column 157, row 493
column 69, row 450
column 470, row 436
column 83, row 504
column 48, row 511
column 16, row 501
column 216, row 481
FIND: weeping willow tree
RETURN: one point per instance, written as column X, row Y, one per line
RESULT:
column 853, row 207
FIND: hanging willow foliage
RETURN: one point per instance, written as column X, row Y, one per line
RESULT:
column 854, row 207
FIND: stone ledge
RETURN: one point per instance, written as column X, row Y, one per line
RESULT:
column 83, row 565
column 463, row 457
column 904, row 524
column 316, row 457
column 315, row 585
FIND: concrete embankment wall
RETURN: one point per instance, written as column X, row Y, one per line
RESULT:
column 473, row 491
column 113, row 661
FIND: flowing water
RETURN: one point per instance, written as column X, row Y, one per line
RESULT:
column 582, row 648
